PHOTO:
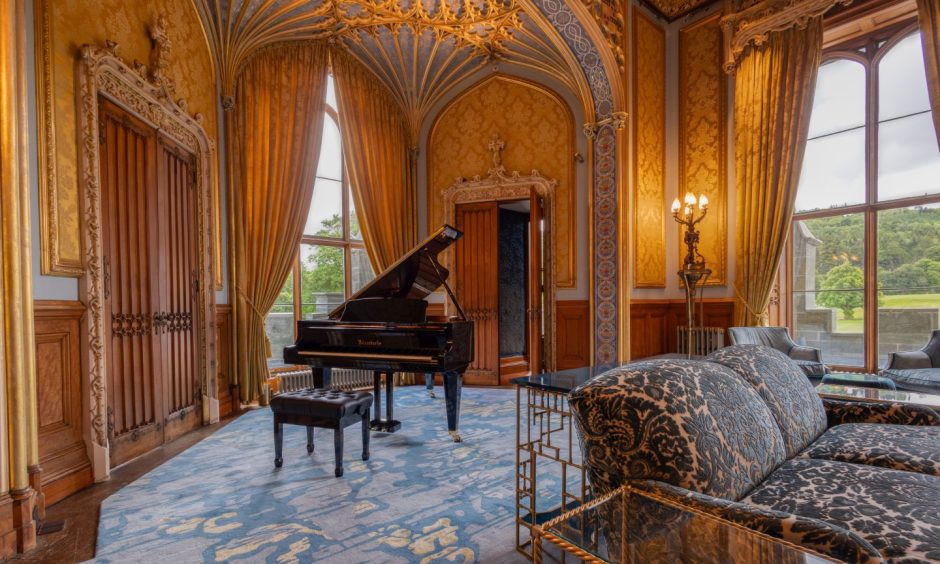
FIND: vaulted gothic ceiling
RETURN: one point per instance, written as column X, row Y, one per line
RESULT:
column 675, row 9
column 418, row 48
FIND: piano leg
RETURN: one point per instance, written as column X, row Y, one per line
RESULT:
column 389, row 424
column 452, row 385
column 429, row 384
column 322, row 377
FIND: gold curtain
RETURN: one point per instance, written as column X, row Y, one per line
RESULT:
column 929, row 17
column 774, row 91
column 378, row 161
column 274, row 146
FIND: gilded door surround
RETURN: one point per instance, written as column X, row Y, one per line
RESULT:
column 567, row 277
column 500, row 186
column 146, row 94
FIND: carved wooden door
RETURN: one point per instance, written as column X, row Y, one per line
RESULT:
column 178, row 274
column 131, row 289
column 477, row 265
column 149, row 265
column 535, row 285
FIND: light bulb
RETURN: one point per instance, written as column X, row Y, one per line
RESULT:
column 676, row 205
column 688, row 210
column 689, row 199
column 702, row 202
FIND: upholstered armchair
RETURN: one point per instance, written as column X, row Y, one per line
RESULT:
column 917, row 371
column 808, row 358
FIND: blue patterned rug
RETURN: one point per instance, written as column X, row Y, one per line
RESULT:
column 421, row 498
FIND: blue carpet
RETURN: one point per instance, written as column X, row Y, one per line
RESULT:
column 421, row 498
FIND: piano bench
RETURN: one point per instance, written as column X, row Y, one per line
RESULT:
column 328, row 409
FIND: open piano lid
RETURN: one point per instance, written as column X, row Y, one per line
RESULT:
column 415, row 275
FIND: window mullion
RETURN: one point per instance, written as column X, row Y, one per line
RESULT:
column 870, row 246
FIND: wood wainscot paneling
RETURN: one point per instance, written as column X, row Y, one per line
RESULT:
column 62, row 453
column 228, row 387
column 653, row 323
column 573, row 335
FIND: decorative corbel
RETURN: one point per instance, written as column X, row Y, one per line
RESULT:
column 753, row 25
column 617, row 120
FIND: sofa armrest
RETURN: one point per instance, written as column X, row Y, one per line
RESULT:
column 799, row 352
column 908, row 360
column 851, row 411
column 816, row 535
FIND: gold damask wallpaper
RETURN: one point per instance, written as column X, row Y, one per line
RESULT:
column 67, row 25
column 537, row 128
column 702, row 136
column 649, row 166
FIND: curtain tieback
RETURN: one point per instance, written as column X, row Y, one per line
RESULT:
column 261, row 316
column 760, row 316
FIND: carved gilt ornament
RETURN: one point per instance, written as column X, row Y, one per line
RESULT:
column 146, row 94
column 499, row 185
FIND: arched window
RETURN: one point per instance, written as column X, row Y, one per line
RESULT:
column 864, row 267
column 332, row 263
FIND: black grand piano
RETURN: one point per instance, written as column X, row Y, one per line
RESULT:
column 384, row 328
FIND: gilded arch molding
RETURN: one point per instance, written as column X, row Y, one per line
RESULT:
column 145, row 94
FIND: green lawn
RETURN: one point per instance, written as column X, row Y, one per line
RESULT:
column 856, row 325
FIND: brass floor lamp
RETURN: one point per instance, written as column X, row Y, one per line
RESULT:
column 693, row 273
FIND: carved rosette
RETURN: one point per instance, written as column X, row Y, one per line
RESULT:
column 102, row 73
column 498, row 185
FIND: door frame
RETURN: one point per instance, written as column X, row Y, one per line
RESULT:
column 148, row 95
column 499, row 186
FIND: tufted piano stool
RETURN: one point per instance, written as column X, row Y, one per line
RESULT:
column 329, row 409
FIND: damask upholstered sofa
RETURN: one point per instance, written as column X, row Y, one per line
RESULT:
column 916, row 371
column 743, row 435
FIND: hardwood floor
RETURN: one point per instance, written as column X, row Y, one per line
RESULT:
column 76, row 541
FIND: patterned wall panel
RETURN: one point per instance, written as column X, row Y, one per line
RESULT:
column 649, row 134
column 63, row 27
column 703, row 136
column 538, row 130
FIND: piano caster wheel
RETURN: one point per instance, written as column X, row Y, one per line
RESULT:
column 309, row 449
column 278, row 462
column 431, row 394
column 338, row 472
column 365, row 456
column 455, row 435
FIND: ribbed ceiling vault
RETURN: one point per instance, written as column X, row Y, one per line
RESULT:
column 418, row 48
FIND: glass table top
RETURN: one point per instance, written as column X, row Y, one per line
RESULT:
column 633, row 526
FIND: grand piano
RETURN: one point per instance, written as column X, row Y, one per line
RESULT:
column 384, row 328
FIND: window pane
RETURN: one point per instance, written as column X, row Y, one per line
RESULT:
column 829, row 287
column 279, row 323
column 325, row 216
column 908, row 158
column 331, row 92
column 331, row 151
column 322, row 280
column 908, row 278
column 360, row 269
column 833, row 172
column 902, row 80
column 839, row 102
column 354, row 231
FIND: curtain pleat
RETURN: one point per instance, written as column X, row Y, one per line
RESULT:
column 274, row 146
column 928, row 14
column 378, row 161
column 774, row 90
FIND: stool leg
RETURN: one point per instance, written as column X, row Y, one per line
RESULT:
column 365, row 436
column 338, row 446
column 278, row 443
column 309, row 439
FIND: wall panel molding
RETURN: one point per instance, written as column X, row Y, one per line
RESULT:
column 573, row 334
column 703, row 134
column 654, row 323
column 649, row 153
column 62, row 452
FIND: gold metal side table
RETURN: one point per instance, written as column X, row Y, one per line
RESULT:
column 632, row 526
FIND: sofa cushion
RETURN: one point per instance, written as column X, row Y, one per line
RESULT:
column 782, row 385
column 897, row 512
column 691, row 424
column 901, row 447
column 925, row 380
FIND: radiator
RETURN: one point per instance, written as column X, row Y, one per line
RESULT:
column 342, row 379
column 704, row 339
